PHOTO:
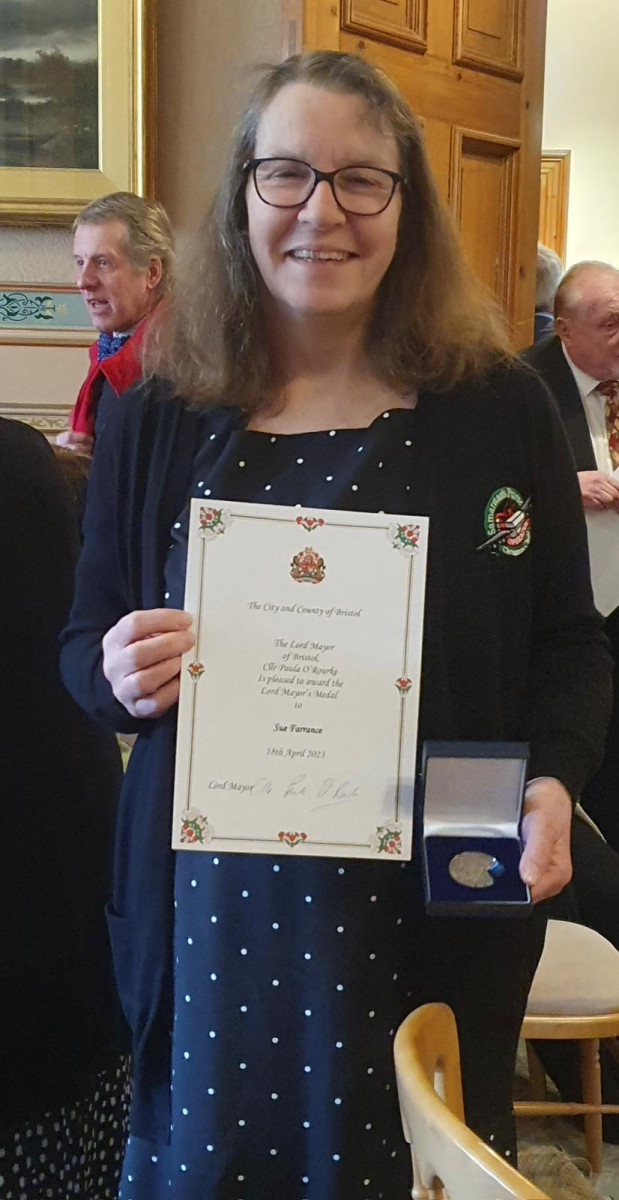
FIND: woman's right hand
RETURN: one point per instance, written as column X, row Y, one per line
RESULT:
column 142, row 659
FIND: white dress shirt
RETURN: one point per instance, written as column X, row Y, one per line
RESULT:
column 594, row 404
column 603, row 526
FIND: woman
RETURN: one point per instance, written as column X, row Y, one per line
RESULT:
column 335, row 352
column 63, row 1078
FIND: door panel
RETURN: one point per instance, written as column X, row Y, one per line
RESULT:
column 482, row 193
column 489, row 34
column 473, row 71
column 401, row 22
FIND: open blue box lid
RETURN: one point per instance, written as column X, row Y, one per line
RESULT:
column 472, row 801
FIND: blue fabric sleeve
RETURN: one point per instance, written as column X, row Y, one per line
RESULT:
column 102, row 590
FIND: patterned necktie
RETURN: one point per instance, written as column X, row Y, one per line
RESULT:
column 609, row 388
column 109, row 343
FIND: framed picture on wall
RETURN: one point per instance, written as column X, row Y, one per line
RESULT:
column 77, row 87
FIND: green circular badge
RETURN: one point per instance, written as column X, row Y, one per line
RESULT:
column 507, row 522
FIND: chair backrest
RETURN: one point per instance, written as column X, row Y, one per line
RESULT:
column 449, row 1160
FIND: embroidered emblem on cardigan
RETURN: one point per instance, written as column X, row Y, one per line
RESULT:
column 507, row 523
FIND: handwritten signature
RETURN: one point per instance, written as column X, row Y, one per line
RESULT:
column 330, row 791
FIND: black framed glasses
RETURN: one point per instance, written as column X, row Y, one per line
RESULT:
column 289, row 182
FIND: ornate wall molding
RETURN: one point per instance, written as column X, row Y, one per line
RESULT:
column 47, row 418
column 43, row 314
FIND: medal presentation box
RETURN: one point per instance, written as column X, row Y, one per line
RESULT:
column 471, row 808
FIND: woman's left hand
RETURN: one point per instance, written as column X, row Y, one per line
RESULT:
column 546, row 864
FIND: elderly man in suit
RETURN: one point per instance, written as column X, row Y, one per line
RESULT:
column 580, row 364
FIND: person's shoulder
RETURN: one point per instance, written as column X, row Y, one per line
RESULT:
column 514, row 377
column 18, row 437
column 142, row 408
column 146, row 396
column 31, row 479
column 543, row 351
column 510, row 395
column 506, row 383
column 25, row 455
column 519, row 386
column 152, row 414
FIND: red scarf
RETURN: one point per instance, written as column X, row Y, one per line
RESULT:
column 121, row 370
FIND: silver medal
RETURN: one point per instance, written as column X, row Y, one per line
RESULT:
column 471, row 868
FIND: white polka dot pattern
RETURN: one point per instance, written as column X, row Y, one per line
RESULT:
column 76, row 1151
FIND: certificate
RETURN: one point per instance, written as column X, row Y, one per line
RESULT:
column 299, row 701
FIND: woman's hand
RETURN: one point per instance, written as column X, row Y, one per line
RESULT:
column 546, row 864
column 142, row 659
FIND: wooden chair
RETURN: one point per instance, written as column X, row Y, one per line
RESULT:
column 450, row 1162
column 575, row 996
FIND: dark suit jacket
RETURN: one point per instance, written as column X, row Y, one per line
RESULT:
column 548, row 358
column 59, row 779
column 544, row 325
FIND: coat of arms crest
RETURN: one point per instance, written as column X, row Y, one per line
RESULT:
column 307, row 566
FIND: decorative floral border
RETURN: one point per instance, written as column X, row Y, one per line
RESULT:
column 404, row 538
column 195, row 828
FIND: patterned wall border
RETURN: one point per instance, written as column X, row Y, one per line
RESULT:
column 43, row 314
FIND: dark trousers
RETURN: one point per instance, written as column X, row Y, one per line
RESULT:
column 600, row 798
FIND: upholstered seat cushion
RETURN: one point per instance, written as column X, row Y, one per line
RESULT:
column 578, row 974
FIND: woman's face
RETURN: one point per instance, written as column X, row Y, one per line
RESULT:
column 328, row 130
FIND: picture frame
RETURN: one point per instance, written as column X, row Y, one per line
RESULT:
column 125, row 117
column 43, row 314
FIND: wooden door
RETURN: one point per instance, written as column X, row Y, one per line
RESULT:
column 555, row 182
column 473, row 71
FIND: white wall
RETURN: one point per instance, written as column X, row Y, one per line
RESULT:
column 581, row 114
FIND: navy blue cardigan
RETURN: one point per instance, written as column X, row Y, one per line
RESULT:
column 513, row 648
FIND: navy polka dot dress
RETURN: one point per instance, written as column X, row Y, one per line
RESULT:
column 291, row 976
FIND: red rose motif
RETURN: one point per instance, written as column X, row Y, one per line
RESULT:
column 291, row 838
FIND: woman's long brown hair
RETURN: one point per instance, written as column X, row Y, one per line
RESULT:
column 433, row 322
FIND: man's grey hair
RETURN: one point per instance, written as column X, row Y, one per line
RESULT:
column 569, row 293
column 549, row 272
column 149, row 232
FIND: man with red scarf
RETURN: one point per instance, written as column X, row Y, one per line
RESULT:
column 123, row 250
